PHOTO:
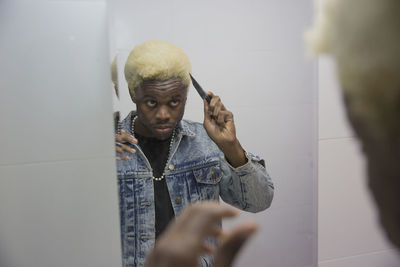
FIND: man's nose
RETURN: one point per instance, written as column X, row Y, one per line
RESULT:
column 163, row 113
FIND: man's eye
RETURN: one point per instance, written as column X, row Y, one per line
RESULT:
column 174, row 103
column 151, row 103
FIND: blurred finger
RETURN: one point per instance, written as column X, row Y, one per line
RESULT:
column 124, row 148
column 207, row 249
column 213, row 231
column 125, row 157
column 118, row 149
column 199, row 217
column 232, row 244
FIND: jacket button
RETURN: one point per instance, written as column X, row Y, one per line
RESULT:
column 178, row 200
column 171, row 167
column 213, row 175
column 146, row 203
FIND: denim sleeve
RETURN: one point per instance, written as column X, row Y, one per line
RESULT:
column 248, row 187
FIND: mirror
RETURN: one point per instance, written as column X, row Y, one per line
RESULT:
column 251, row 54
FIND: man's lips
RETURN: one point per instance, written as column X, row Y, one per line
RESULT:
column 163, row 128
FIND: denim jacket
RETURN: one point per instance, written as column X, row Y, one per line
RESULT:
column 196, row 170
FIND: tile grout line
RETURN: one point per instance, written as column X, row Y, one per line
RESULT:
column 54, row 161
column 358, row 255
column 338, row 138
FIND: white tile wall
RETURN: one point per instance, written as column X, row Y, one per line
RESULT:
column 348, row 230
column 61, row 213
column 58, row 191
column 278, row 251
column 50, row 86
column 347, row 221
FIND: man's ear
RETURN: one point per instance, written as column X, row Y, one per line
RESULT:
column 131, row 92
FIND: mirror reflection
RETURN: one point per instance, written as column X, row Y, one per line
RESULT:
column 174, row 162
column 175, row 148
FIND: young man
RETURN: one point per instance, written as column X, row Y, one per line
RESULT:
column 177, row 162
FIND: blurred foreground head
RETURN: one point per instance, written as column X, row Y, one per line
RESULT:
column 363, row 36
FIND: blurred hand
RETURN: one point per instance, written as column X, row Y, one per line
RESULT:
column 183, row 242
column 232, row 243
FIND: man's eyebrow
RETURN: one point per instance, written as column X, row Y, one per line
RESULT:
column 176, row 96
column 151, row 96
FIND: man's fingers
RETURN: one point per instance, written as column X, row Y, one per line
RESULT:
column 206, row 108
column 207, row 249
column 124, row 148
column 215, row 110
column 215, row 105
column 207, row 214
column 233, row 242
column 223, row 117
column 118, row 149
column 124, row 137
column 216, row 210
column 213, row 231
column 121, row 145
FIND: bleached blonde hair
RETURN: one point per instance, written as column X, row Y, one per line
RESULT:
column 156, row 60
column 114, row 71
column 363, row 36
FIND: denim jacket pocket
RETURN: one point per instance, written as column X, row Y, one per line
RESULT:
column 207, row 178
column 208, row 174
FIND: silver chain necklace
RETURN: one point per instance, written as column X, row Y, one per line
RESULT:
column 169, row 149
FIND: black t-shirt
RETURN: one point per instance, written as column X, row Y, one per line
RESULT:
column 156, row 152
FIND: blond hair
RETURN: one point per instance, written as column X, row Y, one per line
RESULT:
column 114, row 71
column 364, row 39
column 156, row 60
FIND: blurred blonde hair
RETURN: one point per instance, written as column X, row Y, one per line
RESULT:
column 363, row 36
column 114, row 75
column 114, row 71
column 156, row 60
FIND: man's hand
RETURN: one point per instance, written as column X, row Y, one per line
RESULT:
column 220, row 127
column 184, row 240
column 232, row 243
column 121, row 146
column 218, row 121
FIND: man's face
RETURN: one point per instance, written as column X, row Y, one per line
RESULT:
column 160, row 106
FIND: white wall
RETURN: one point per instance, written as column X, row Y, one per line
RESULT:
column 251, row 54
column 349, row 234
column 50, row 160
column 58, row 191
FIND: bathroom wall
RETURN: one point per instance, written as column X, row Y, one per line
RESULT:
column 58, row 204
column 349, row 233
column 58, row 191
column 251, row 54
